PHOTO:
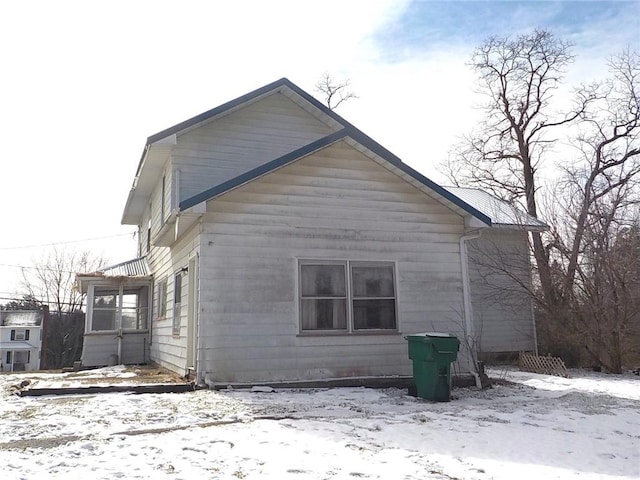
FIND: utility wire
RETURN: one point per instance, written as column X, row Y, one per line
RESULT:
column 53, row 244
column 38, row 267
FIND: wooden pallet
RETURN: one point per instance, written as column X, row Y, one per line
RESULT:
column 547, row 365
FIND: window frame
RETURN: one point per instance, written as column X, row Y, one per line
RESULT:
column 350, row 297
column 176, row 325
column 19, row 335
column 120, row 308
column 161, row 300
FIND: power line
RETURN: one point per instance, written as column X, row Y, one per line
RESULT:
column 38, row 267
column 53, row 244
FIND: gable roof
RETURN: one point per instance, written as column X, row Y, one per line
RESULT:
column 503, row 214
column 356, row 137
column 20, row 318
column 162, row 141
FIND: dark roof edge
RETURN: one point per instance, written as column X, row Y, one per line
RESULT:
column 356, row 135
column 263, row 169
column 237, row 102
column 379, row 150
column 246, row 98
column 216, row 110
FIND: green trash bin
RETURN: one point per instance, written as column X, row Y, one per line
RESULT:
column 432, row 354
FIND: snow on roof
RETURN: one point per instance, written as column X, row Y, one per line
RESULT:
column 20, row 317
column 501, row 213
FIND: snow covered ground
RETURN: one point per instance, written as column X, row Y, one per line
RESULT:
column 535, row 427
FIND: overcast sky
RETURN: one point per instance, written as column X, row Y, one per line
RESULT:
column 83, row 84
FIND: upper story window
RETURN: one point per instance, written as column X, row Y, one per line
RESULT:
column 115, row 308
column 349, row 297
column 20, row 335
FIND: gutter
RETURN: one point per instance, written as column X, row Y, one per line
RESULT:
column 468, row 311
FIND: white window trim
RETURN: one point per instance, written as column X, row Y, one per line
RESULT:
column 161, row 301
column 118, row 322
column 350, row 330
column 176, row 326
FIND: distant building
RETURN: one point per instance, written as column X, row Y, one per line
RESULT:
column 20, row 340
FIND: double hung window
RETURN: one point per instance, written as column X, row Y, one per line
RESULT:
column 345, row 296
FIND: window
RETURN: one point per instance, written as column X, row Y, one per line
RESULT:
column 163, row 192
column 161, row 307
column 115, row 308
column 347, row 296
column 19, row 335
column 148, row 245
column 177, row 302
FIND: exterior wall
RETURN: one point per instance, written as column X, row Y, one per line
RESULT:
column 335, row 204
column 502, row 310
column 34, row 345
column 167, row 349
column 247, row 138
column 202, row 158
column 101, row 349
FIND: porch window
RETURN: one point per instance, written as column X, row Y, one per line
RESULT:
column 115, row 308
column 345, row 296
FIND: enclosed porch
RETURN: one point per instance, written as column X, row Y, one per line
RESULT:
column 117, row 324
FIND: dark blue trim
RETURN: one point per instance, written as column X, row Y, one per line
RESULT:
column 379, row 150
column 349, row 130
column 263, row 169
column 218, row 110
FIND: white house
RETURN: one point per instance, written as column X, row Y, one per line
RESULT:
column 278, row 242
column 20, row 340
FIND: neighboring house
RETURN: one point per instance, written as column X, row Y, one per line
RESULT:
column 278, row 242
column 20, row 340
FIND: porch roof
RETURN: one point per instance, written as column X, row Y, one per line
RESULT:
column 138, row 268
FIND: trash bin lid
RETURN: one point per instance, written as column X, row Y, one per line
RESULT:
column 432, row 334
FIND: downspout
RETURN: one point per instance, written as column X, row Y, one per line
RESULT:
column 466, row 296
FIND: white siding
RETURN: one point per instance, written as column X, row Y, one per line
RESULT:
column 166, row 349
column 241, row 141
column 502, row 309
column 335, row 204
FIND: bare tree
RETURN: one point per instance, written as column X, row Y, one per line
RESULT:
column 583, row 277
column 518, row 77
column 335, row 92
column 599, row 222
column 52, row 278
column 52, row 282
